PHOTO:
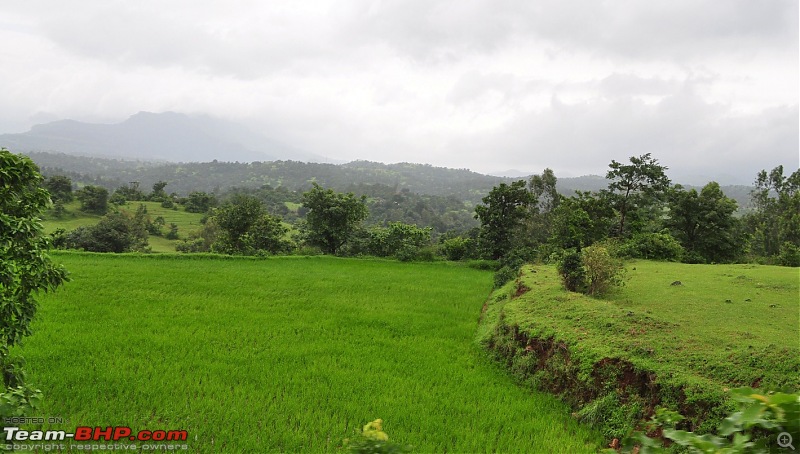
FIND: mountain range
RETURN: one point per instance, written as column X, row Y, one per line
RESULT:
column 167, row 136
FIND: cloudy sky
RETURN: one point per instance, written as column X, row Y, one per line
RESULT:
column 709, row 87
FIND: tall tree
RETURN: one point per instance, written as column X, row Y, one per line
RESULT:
column 246, row 228
column 582, row 220
column 332, row 217
column 704, row 223
column 637, row 185
column 776, row 216
column 544, row 200
column 25, row 269
column 501, row 215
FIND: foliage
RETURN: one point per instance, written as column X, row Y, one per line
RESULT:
column 60, row 188
column 129, row 193
column 776, row 219
column 94, row 199
column 116, row 232
column 332, row 217
column 510, row 265
column 572, row 272
column 652, row 246
column 173, row 231
column 602, row 270
column 637, row 185
column 581, row 220
column 199, row 202
column 501, row 215
column 245, row 228
column 789, row 255
column 25, row 270
column 398, row 239
column 158, row 194
column 457, row 248
column 773, row 412
column 373, row 439
column 704, row 223
column 650, row 341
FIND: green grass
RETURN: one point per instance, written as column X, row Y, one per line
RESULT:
column 287, row 354
column 725, row 326
column 187, row 222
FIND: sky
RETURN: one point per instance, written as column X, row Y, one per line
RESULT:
column 708, row 87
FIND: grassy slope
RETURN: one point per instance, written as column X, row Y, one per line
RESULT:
column 284, row 354
column 688, row 334
column 187, row 222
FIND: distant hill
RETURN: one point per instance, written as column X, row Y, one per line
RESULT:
column 165, row 136
column 217, row 176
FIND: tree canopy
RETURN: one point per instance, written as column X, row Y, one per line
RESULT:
column 332, row 217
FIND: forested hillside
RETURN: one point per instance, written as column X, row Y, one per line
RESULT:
column 219, row 177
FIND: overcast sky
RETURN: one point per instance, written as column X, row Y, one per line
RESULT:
column 710, row 87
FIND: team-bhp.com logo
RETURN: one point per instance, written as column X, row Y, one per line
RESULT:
column 85, row 433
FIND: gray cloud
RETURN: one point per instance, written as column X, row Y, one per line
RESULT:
column 569, row 84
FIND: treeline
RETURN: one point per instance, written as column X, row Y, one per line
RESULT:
column 639, row 214
column 219, row 178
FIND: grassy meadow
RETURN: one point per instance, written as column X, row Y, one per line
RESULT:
column 289, row 354
column 187, row 222
column 697, row 329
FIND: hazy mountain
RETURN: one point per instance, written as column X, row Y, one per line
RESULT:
column 165, row 136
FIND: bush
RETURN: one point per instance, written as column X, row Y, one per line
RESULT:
column 457, row 248
column 116, row 232
column 759, row 413
column 602, row 270
column 789, row 255
column 652, row 246
column 572, row 272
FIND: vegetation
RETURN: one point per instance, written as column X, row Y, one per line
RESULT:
column 25, row 270
column 332, row 217
column 611, row 354
column 775, row 413
column 285, row 354
column 674, row 336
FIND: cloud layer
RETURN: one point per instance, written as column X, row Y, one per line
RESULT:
column 708, row 87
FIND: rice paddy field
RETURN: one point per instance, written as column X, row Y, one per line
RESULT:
column 289, row 354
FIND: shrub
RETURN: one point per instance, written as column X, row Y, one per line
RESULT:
column 457, row 248
column 775, row 414
column 789, row 255
column 602, row 270
column 116, row 232
column 572, row 272
column 652, row 246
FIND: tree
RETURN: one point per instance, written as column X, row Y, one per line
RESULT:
column 246, row 228
column 25, row 270
column 398, row 239
column 94, row 199
column 199, row 202
column 235, row 218
column 332, row 217
column 636, row 185
column 582, row 220
column 776, row 218
column 501, row 215
column 704, row 223
column 544, row 200
column 60, row 188
column 116, row 232
column 158, row 194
